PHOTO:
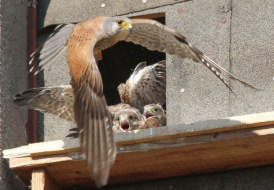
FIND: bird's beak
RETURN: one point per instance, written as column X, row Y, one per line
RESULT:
column 128, row 27
column 148, row 114
column 124, row 124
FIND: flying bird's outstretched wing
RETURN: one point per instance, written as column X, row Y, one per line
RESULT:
column 57, row 100
column 145, row 32
column 51, row 49
column 146, row 85
column 91, row 115
column 156, row 36
column 90, row 109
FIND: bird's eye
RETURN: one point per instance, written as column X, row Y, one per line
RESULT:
column 131, row 117
column 120, row 22
column 155, row 109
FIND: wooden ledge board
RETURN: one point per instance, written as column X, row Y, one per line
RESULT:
column 153, row 134
column 154, row 159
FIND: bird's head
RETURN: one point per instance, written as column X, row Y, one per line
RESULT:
column 120, row 26
column 153, row 110
column 128, row 120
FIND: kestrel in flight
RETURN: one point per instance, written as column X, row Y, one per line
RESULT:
column 80, row 42
column 146, row 85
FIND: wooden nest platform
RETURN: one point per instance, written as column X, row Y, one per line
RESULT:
column 207, row 146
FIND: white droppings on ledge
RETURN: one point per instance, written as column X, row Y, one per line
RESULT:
column 182, row 90
column 103, row 5
column 273, row 78
column 144, row 1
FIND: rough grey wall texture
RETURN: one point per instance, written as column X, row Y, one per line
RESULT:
column 246, row 179
column 13, row 78
column 79, row 10
column 193, row 93
column 252, row 54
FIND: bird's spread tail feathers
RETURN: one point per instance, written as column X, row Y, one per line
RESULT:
column 24, row 98
column 218, row 71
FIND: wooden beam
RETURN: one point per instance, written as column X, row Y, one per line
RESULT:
column 181, row 156
column 229, row 124
column 40, row 180
column 230, row 143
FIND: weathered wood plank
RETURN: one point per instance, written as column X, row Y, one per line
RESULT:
column 153, row 134
column 40, row 180
column 187, row 155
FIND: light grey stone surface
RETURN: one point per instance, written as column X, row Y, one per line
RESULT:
column 252, row 54
column 245, row 179
column 13, row 78
column 79, row 10
column 193, row 92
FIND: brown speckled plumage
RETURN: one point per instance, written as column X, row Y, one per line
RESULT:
column 146, row 85
column 126, row 118
column 155, row 115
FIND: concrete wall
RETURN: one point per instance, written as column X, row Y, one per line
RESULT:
column 13, row 78
column 246, row 179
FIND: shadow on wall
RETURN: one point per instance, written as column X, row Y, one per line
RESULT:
column 42, row 8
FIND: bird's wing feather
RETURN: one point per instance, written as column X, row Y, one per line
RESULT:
column 54, row 100
column 51, row 49
column 91, row 114
column 156, row 36
column 149, row 84
column 139, row 67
